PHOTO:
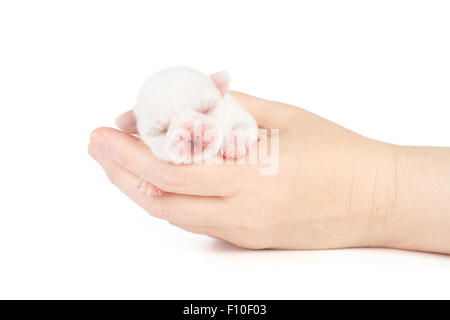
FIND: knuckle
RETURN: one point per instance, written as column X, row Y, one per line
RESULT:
column 256, row 233
column 246, row 225
column 250, row 223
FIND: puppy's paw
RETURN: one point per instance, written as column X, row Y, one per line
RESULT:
column 237, row 143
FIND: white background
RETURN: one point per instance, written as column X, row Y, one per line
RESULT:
column 380, row 68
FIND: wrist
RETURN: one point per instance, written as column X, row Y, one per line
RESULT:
column 405, row 194
column 374, row 193
column 420, row 219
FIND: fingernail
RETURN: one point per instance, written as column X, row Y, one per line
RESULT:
column 92, row 152
column 93, row 134
column 98, row 145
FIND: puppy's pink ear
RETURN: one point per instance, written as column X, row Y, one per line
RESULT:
column 221, row 81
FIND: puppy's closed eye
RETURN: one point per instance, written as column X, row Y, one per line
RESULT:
column 206, row 109
column 158, row 130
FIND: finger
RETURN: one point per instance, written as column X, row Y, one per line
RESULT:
column 200, row 212
column 268, row 114
column 127, row 122
column 196, row 179
column 126, row 181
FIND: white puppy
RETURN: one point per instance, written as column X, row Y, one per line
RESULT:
column 185, row 116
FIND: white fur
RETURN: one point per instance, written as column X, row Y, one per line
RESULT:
column 172, row 99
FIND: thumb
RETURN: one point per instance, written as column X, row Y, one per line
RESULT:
column 268, row 114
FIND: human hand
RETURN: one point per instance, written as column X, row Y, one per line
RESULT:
column 332, row 189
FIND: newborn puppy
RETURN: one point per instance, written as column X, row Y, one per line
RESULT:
column 186, row 116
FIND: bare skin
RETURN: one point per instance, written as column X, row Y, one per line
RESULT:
column 334, row 188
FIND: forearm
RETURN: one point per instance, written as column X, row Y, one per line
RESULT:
column 420, row 191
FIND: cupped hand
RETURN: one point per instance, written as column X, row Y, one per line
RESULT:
column 330, row 190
